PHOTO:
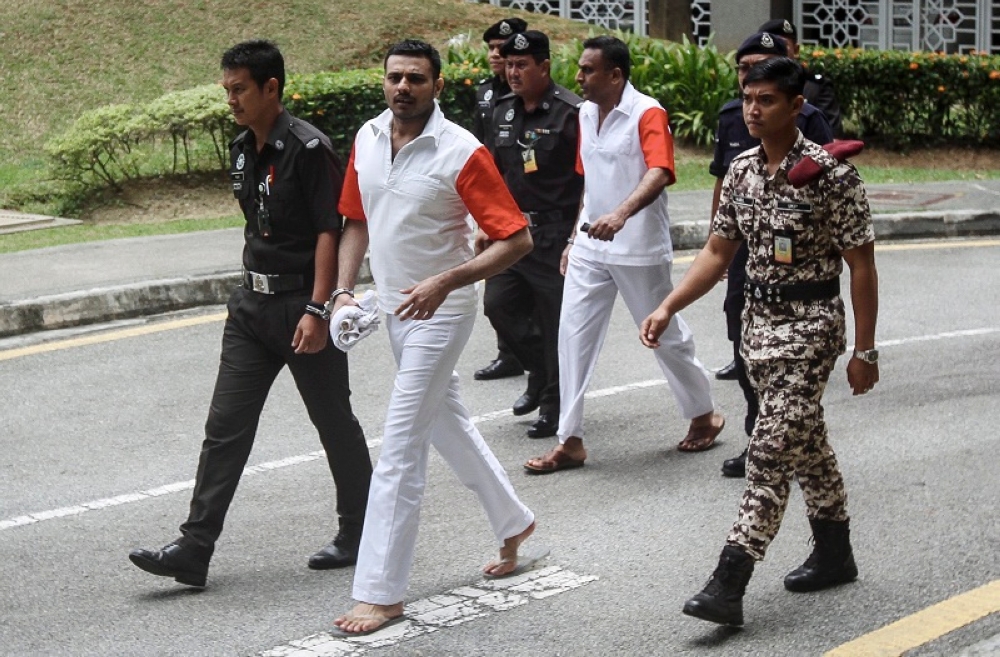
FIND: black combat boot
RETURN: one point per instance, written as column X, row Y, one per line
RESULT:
column 721, row 601
column 831, row 562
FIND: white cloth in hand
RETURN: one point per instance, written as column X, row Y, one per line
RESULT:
column 353, row 323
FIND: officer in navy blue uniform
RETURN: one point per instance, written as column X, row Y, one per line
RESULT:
column 819, row 91
column 491, row 89
column 536, row 131
column 287, row 180
column 732, row 138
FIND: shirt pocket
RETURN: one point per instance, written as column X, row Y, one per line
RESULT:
column 415, row 185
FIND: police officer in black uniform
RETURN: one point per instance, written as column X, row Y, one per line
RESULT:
column 287, row 180
column 535, row 139
column 490, row 89
column 819, row 90
column 732, row 138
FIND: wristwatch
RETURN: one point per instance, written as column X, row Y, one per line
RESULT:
column 869, row 356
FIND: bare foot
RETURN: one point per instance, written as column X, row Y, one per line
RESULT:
column 366, row 618
column 508, row 554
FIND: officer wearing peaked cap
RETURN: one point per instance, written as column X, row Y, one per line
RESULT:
column 819, row 89
column 490, row 90
column 535, row 146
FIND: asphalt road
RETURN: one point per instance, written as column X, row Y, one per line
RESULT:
column 94, row 436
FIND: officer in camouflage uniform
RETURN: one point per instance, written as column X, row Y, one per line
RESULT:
column 793, row 330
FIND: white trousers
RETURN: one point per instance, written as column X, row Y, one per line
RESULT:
column 588, row 299
column 425, row 409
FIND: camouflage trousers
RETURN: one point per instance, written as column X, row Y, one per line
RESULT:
column 789, row 440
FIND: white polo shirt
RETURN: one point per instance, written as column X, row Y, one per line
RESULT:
column 635, row 137
column 418, row 205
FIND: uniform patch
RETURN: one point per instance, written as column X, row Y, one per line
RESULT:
column 312, row 143
column 743, row 201
column 509, row 116
column 488, row 95
column 241, row 162
column 795, row 207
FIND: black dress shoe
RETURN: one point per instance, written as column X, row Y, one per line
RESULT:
column 339, row 553
column 545, row 426
column 184, row 564
column 499, row 369
column 525, row 404
column 727, row 373
column 736, row 466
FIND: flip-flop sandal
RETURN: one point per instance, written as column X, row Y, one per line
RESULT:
column 527, row 557
column 559, row 461
column 386, row 622
column 701, row 438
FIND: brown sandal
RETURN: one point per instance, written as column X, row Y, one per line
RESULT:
column 554, row 461
column 699, row 439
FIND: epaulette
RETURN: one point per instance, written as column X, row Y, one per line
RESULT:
column 735, row 103
column 238, row 139
column 568, row 97
column 308, row 134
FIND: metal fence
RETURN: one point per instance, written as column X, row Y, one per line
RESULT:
column 953, row 26
column 627, row 15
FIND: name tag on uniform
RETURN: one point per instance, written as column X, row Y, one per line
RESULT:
column 237, row 177
column 530, row 165
column 743, row 201
column 805, row 208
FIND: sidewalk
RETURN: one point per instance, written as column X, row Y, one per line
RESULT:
column 95, row 282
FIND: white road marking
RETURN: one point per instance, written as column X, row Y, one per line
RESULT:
column 138, row 496
column 448, row 609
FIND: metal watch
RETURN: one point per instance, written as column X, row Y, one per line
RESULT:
column 869, row 356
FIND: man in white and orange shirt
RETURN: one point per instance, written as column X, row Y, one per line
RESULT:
column 622, row 245
column 413, row 179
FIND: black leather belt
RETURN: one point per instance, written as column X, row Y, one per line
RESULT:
column 273, row 283
column 550, row 217
column 810, row 291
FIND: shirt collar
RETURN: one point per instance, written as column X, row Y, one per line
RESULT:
column 625, row 103
column 791, row 158
column 432, row 130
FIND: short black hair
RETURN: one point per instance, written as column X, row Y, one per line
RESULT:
column 416, row 48
column 786, row 72
column 614, row 52
column 262, row 58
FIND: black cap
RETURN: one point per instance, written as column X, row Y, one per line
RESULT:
column 531, row 42
column 781, row 27
column 504, row 29
column 762, row 43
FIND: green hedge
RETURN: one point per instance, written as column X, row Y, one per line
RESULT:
column 896, row 98
column 902, row 98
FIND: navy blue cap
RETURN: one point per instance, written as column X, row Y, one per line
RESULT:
column 505, row 29
column 531, row 42
column 762, row 43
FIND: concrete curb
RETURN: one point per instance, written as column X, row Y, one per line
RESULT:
column 165, row 295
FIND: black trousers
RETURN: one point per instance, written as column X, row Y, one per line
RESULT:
column 523, row 303
column 735, row 301
column 256, row 345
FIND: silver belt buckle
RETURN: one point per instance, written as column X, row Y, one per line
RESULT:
column 260, row 283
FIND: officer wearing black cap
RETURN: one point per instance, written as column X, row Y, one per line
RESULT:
column 732, row 138
column 819, row 90
column 287, row 180
column 535, row 139
column 490, row 89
